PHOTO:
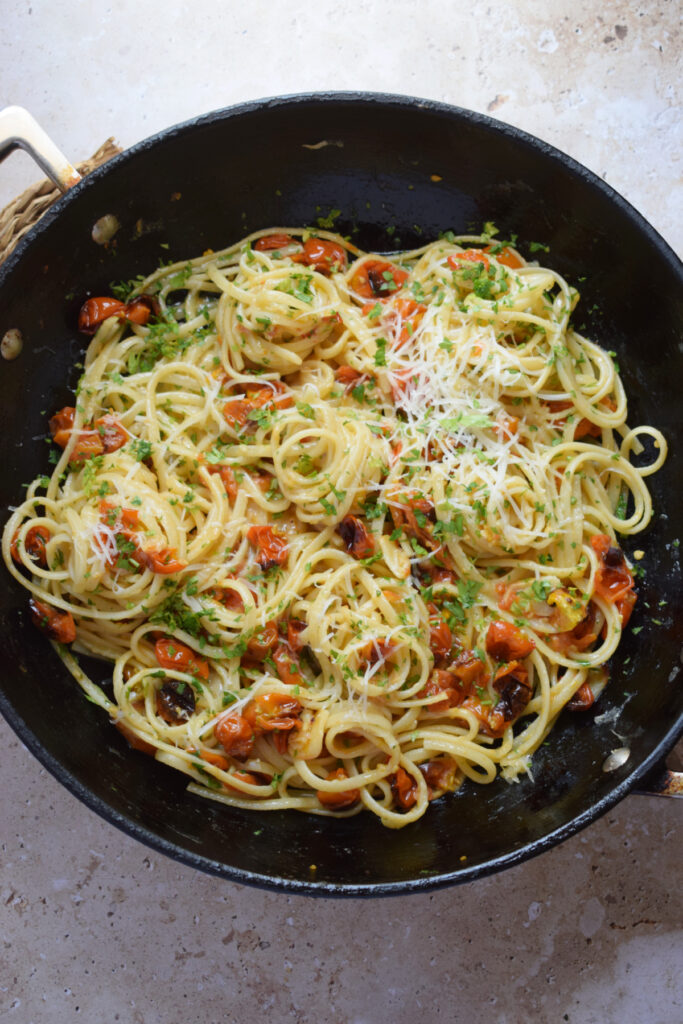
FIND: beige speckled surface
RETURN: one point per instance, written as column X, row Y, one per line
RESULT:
column 93, row 926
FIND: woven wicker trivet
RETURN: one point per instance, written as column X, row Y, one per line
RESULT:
column 22, row 213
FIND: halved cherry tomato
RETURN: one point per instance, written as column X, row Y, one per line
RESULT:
column 217, row 760
column 262, row 642
column 268, row 243
column 582, row 699
column 356, row 537
column 348, row 377
column 61, row 425
column 272, row 395
column 272, row 546
column 613, row 579
column 505, row 256
column 271, row 711
column 508, row 593
column 439, row 775
column 583, row 635
column 342, row 798
column 468, row 669
column 323, row 255
column 468, row 256
column 409, row 314
column 141, row 308
column 227, row 475
column 162, row 561
column 404, row 789
column 236, row 735
column 505, row 642
column 281, row 741
column 173, row 654
column 377, row 650
column 135, row 741
column 34, row 544
column 175, row 701
column 378, row 279
column 295, row 628
column 624, row 605
column 584, row 427
column 249, row 777
column 58, row 625
column 511, row 681
column 415, row 514
column 88, row 441
column 440, row 636
column 229, row 597
column 482, row 712
column 263, row 480
column 262, row 396
column 88, row 444
column 287, row 666
column 95, row 311
column 113, row 433
column 117, row 516
column 236, row 412
column 506, row 427
column 441, row 681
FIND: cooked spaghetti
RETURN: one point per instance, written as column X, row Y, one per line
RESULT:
column 344, row 524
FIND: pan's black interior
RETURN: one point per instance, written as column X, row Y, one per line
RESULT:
column 374, row 159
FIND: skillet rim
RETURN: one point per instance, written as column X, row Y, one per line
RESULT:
column 533, row 142
column 151, row 839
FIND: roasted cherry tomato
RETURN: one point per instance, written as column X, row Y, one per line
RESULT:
column 269, row 243
column 162, row 561
column 175, row 701
column 505, row 256
column 613, row 579
column 505, row 642
column 271, row 711
column 468, row 256
column 356, row 537
column 582, row 699
column 323, row 255
column 340, row 799
column 95, row 311
column 378, row 279
column 58, row 625
column 236, row 735
column 288, row 668
column 172, row 653
column 34, row 545
column 272, row 546
column 262, row 642
column 113, row 434
column 404, row 789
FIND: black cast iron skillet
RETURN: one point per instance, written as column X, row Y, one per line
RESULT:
column 400, row 171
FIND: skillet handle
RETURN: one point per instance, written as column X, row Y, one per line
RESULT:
column 19, row 128
column 662, row 783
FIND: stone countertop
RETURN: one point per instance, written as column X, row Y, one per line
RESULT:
column 94, row 926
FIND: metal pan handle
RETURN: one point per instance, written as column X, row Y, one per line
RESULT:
column 19, row 129
column 663, row 783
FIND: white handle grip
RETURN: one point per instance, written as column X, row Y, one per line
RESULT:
column 19, row 128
